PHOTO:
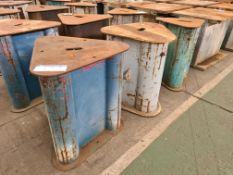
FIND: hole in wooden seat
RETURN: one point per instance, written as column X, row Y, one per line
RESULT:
column 141, row 29
column 74, row 48
column 79, row 16
column 19, row 24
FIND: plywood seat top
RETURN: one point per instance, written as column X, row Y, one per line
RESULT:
column 6, row 11
column 158, row 7
column 144, row 32
column 17, row 26
column 199, row 3
column 206, row 13
column 41, row 8
column 183, row 22
column 74, row 53
column 79, row 19
column 125, row 11
column 81, row 4
column 225, row 6
column 13, row 3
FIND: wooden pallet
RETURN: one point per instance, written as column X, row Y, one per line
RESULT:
column 210, row 61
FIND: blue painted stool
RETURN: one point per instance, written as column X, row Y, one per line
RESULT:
column 180, row 51
column 81, row 86
column 144, row 64
column 17, row 40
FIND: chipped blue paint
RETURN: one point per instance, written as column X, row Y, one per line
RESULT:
column 82, row 104
column 179, row 57
column 15, row 56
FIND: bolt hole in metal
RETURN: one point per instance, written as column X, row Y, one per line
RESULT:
column 74, row 48
column 141, row 29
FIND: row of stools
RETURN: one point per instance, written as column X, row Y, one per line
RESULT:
column 85, row 82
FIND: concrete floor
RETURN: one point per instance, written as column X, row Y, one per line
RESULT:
column 199, row 143
column 25, row 141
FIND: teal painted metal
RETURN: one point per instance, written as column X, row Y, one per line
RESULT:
column 56, row 3
column 15, row 56
column 179, row 57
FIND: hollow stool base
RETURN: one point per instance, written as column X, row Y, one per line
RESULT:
column 87, row 150
column 178, row 89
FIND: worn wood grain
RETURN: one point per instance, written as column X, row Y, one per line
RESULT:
column 198, row 3
column 125, row 11
column 145, row 32
column 73, row 52
column 41, row 8
column 16, row 26
column 183, row 22
column 79, row 19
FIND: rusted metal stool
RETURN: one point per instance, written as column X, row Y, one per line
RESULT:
column 125, row 16
column 20, row 5
column 16, row 43
column 84, row 25
column 228, row 41
column 45, row 12
column 82, row 7
column 180, row 51
column 144, row 64
column 81, row 86
column 157, row 9
column 109, row 5
column 57, row 2
column 207, row 51
column 9, row 13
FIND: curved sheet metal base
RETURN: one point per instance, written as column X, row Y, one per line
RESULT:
column 87, row 150
column 179, row 89
column 33, row 103
column 143, row 114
